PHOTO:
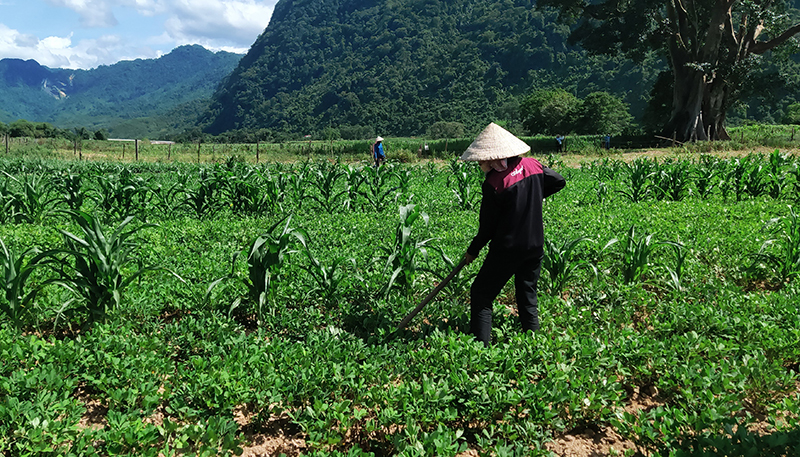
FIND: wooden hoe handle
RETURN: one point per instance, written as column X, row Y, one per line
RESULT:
column 432, row 294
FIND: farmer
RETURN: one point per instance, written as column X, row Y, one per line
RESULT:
column 377, row 152
column 559, row 143
column 510, row 222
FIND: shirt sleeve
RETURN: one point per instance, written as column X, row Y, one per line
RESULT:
column 486, row 221
column 553, row 182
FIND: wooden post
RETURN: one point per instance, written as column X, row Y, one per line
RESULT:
column 6, row 136
column 123, row 151
column 790, row 140
column 80, row 152
column 75, row 146
column 136, row 147
column 169, row 151
column 742, row 140
column 198, row 150
column 257, row 148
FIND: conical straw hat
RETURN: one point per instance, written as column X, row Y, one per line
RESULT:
column 495, row 142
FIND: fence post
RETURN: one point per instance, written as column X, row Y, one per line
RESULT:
column 257, row 149
column 123, row 151
column 6, row 138
column 74, row 146
column 80, row 152
column 136, row 147
column 169, row 151
column 198, row 150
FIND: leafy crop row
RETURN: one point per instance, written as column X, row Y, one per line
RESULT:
column 134, row 330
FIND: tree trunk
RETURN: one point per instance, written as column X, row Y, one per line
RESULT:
column 689, row 87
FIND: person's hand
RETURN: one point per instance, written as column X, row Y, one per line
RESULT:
column 469, row 258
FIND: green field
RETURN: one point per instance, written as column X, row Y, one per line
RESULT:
column 228, row 307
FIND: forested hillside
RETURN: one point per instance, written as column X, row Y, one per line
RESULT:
column 399, row 66
column 116, row 97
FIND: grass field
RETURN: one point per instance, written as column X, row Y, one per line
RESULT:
column 164, row 307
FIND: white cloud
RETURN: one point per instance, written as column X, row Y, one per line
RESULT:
column 93, row 13
column 62, row 52
column 234, row 23
column 141, row 29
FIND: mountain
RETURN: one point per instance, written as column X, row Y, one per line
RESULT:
column 128, row 96
column 398, row 66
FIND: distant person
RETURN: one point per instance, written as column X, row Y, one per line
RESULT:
column 559, row 143
column 510, row 222
column 607, row 142
column 377, row 152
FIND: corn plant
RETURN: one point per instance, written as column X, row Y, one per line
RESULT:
column 403, row 258
column 203, row 201
column 250, row 193
column 14, row 273
column 598, row 194
column 297, row 183
column 638, row 174
column 168, row 198
column 329, row 279
column 777, row 171
column 466, row 180
column 671, row 180
column 636, row 252
column 120, row 195
column 559, row 262
column 70, row 185
column 754, row 179
column 279, row 179
column 705, row 175
column 734, row 179
column 793, row 171
column 265, row 258
column 34, row 200
column 680, row 252
column 325, row 179
column 377, row 189
column 354, row 178
column 786, row 261
column 100, row 259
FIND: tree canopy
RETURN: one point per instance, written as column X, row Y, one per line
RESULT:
column 714, row 48
column 400, row 67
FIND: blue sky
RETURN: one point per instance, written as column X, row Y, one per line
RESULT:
column 88, row 33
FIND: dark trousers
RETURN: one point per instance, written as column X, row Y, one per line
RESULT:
column 497, row 269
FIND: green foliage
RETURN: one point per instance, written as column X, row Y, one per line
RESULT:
column 405, row 258
column 403, row 68
column 14, row 273
column 786, row 259
column 603, row 113
column 265, row 259
column 100, row 259
column 559, row 262
column 792, row 115
column 443, row 129
column 714, row 351
column 637, row 251
column 550, row 112
column 31, row 201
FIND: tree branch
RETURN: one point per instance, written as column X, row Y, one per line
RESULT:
column 760, row 47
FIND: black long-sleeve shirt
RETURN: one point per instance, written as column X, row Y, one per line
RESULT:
column 511, row 207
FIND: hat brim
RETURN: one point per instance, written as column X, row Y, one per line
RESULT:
column 494, row 143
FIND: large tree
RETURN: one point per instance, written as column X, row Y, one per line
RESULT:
column 712, row 47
